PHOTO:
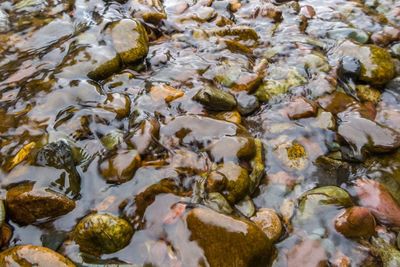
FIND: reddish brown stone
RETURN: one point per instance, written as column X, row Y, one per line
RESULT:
column 301, row 108
column 336, row 102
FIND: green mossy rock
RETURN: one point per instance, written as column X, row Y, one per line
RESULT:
column 377, row 66
column 102, row 234
column 215, row 99
column 311, row 201
column 231, row 180
column 389, row 255
column 273, row 88
column 130, row 40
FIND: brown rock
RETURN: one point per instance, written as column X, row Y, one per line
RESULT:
column 27, row 205
column 269, row 222
column 228, row 241
column 29, row 255
column 163, row 92
column 120, row 167
column 301, row 108
column 355, row 222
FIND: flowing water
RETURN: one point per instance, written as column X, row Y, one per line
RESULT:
column 191, row 119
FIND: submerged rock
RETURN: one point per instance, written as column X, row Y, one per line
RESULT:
column 377, row 66
column 142, row 136
column 130, row 40
column 165, row 93
column 274, row 88
column 379, row 201
column 355, row 222
column 368, row 93
column 29, row 255
column 349, row 33
column 215, row 99
column 389, row 255
column 269, row 222
column 232, row 148
column 102, row 62
column 231, row 180
column 349, row 67
column 198, row 131
column 362, row 133
column 247, row 104
column 311, row 202
column 308, row 253
column 28, row 205
column 301, row 108
column 102, row 234
column 120, row 166
column 228, row 241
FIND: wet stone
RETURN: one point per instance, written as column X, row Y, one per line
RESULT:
column 165, row 92
column 368, row 93
column 377, row 66
column 232, row 148
column 120, row 167
column 228, row 241
column 215, row 99
column 28, row 205
column 34, row 256
column 362, row 133
column 269, row 222
column 349, row 67
column 301, row 108
column 130, row 40
column 355, row 222
column 247, row 104
column 231, row 180
column 102, row 234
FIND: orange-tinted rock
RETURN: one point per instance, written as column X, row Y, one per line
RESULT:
column 336, row 102
column 355, row 222
column 163, row 92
